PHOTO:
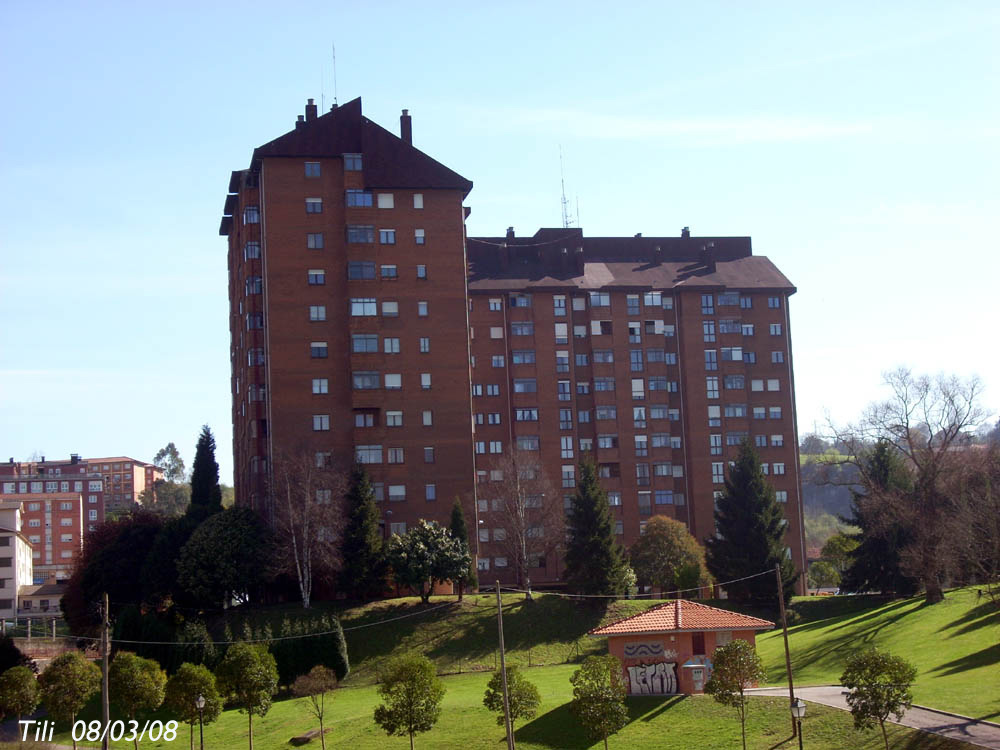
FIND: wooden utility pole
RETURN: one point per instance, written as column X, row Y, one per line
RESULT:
column 105, row 647
column 503, row 672
column 788, row 657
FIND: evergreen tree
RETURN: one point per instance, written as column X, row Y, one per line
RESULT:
column 460, row 531
column 206, row 495
column 364, row 568
column 875, row 562
column 750, row 533
column 595, row 562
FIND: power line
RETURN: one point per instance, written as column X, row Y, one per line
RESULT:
column 664, row 594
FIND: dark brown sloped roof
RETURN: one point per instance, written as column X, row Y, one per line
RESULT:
column 564, row 258
column 388, row 161
column 756, row 272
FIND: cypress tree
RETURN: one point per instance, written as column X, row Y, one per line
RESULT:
column 206, row 495
column 594, row 561
column 460, row 531
column 875, row 564
column 750, row 533
column 364, row 568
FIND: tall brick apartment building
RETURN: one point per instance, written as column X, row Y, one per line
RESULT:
column 364, row 323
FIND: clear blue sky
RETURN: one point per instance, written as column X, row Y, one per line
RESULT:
column 857, row 143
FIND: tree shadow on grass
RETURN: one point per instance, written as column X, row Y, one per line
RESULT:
column 527, row 624
column 559, row 728
column 977, row 617
column 982, row 658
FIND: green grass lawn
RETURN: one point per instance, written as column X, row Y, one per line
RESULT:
column 675, row 722
column 955, row 646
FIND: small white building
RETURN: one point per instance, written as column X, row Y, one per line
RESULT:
column 15, row 558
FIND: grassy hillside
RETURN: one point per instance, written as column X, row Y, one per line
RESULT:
column 955, row 646
column 673, row 723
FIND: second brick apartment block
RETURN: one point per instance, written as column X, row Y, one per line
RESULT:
column 366, row 326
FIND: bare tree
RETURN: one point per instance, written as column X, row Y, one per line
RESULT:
column 525, row 512
column 306, row 504
column 928, row 420
column 979, row 490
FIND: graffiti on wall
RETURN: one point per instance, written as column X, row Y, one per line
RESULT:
column 647, row 650
column 653, row 679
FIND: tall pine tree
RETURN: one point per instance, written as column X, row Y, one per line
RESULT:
column 460, row 531
column 875, row 562
column 206, row 495
column 595, row 563
column 364, row 569
column 750, row 533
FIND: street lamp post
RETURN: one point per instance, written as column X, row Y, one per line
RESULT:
column 798, row 711
column 200, row 703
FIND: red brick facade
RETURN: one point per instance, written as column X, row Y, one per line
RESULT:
column 573, row 346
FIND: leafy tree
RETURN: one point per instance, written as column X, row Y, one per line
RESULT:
column 460, row 531
column 159, row 571
column 67, row 684
column 736, row 667
column 249, row 676
column 305, row 499
column 750, row 536
column 667, row 556
column 823, row 575
column 425, row 554
column 18, row 692
column 326, row 647
column 112, row 547
column 880, row 685
column 812, row 444
column 206, row 495
column 411, row 693
column 169, row 459
column 599, row 696
column 874, row 563
column 314, row 687
column 11, row 656
column 522, row 696
column 169, row 499
column 195, row 644
column 226, row 556
column 364, row 569
column 136, row 685
column 594, row 560
column 839, row 551
column 182, row 691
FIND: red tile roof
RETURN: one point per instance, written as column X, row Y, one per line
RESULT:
column 681, row 615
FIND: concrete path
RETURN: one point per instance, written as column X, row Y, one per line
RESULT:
column 962, row 728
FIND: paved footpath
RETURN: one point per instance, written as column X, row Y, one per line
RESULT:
column 962, row 728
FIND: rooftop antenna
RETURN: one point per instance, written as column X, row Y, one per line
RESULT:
column 566, row 218
column 333, row 48
column 322, row 91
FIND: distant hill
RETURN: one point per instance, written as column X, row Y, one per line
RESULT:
column 826, row 486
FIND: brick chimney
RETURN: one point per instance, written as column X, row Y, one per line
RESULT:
column 406, row 127
column 311, row 110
